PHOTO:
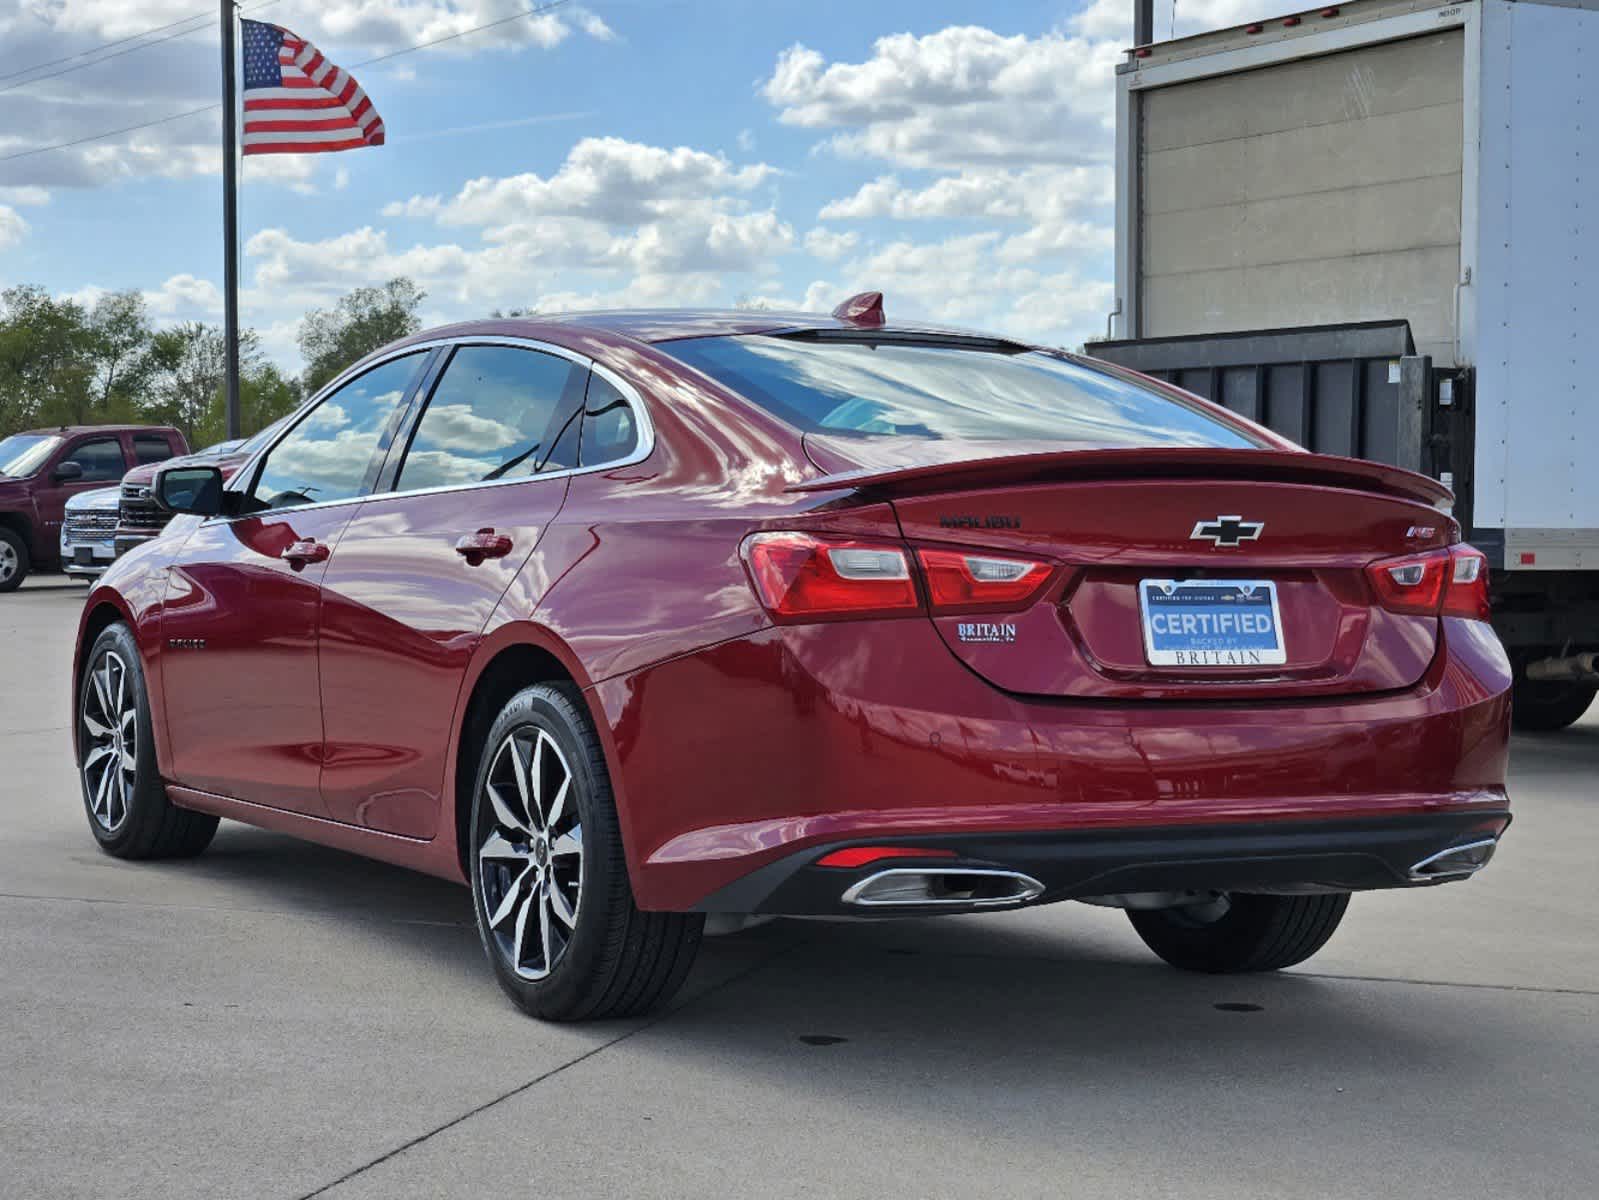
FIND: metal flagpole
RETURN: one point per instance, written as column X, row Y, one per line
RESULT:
column 230, row 217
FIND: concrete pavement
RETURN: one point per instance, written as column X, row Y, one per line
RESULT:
column 278, row 1020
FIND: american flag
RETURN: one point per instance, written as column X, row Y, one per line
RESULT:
column 296, row 101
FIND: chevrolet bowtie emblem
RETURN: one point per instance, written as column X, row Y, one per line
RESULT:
column 1227, row 531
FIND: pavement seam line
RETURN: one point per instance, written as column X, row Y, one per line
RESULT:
column 651, row 1023
column 304, row 914
column 324, row 914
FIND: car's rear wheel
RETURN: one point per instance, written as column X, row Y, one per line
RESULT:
column 550, row 887
column 1233, row 933
column 14, row 559
column 1547, row 706
column 129, row 813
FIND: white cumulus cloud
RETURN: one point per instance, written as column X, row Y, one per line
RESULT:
column 12, row 227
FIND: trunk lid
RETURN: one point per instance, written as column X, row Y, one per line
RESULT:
column 1112, row 519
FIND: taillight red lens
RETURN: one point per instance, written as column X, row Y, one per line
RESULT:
column 801, row 576
column 1467, row 593
column 1451, row 582
column 958, row 580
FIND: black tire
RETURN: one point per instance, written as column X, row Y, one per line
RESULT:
column 1251, row 933
column 612, row 960
column 14, row 559
column 132, row 817
column 1547, row 706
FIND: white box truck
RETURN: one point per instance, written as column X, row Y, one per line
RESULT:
column 1374, row 226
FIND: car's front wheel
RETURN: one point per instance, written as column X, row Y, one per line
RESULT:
column 549, row 882
column 1234, row 932
column 13, row 559
column 129, row 813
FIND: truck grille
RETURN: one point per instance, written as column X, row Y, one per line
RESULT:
column 91, row 526
column 139, row 513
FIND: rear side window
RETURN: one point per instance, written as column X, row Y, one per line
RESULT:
column 147, row 448
column 499, row 412
column 610, row 427
column 863, row 387
column 331, row 454
column 100, row 459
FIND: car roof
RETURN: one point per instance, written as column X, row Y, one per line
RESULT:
column 69, row 430
column 669, row 324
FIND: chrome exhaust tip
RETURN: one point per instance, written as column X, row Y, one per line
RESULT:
column 937, row 887
column 1457, row 862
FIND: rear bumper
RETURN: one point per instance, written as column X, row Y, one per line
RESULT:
column 762, row 751
column 1345, row 855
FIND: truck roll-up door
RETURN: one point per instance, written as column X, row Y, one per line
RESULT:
column 1324, row 190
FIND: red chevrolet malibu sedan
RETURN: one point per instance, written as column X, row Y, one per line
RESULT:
column 629, row 618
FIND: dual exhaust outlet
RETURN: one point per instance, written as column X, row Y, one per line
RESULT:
column 943, row 887
column 968, row 888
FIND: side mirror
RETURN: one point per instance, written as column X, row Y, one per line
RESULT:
column 195, row 490
column 68, row 472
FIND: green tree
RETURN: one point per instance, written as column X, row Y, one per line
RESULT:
column 118, row 344
column 362, row 321
column 44, row 360
column 265, row 394
column 187, row 365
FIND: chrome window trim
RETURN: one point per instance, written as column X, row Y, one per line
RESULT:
column 646, row 427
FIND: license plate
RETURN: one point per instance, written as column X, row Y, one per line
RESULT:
column 1211, row 623
column 83, row 556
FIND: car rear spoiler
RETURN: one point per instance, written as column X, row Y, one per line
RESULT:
column 1278, row 466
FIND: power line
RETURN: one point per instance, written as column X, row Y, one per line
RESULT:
column 182, row 33
column 96, row 137
column 450, row 37
column 132, row 37
column 192, row 112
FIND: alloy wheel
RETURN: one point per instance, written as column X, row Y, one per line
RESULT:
column 530, row 861
column 8, row 561
column 111, row 741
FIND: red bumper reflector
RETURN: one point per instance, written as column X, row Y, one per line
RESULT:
column 859, row 856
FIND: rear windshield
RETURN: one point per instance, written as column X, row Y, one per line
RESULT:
column 864, row 387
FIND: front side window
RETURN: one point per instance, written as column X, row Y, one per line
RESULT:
column 863, row 387
column 148, row 449
column 332, row 453
column 100, row 459
column 499, row 412
column 24, row 453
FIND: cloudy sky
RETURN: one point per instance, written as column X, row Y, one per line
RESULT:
column 955, row 156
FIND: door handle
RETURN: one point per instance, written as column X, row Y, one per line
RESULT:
column 485, row 543
column 307, row 550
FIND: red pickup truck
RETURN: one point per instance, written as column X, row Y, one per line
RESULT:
column 41, row 469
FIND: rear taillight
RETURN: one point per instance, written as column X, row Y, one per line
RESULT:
column 800, row 576
column 1451, row 583
column 1467, row 593
column 960, row 582
column 807, row 576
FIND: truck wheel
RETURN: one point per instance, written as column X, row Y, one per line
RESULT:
column 13, row 560
column 1545, row 706
column 1237, row 932
column 550, row 886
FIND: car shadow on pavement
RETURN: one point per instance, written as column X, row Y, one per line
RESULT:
column 963, row 978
